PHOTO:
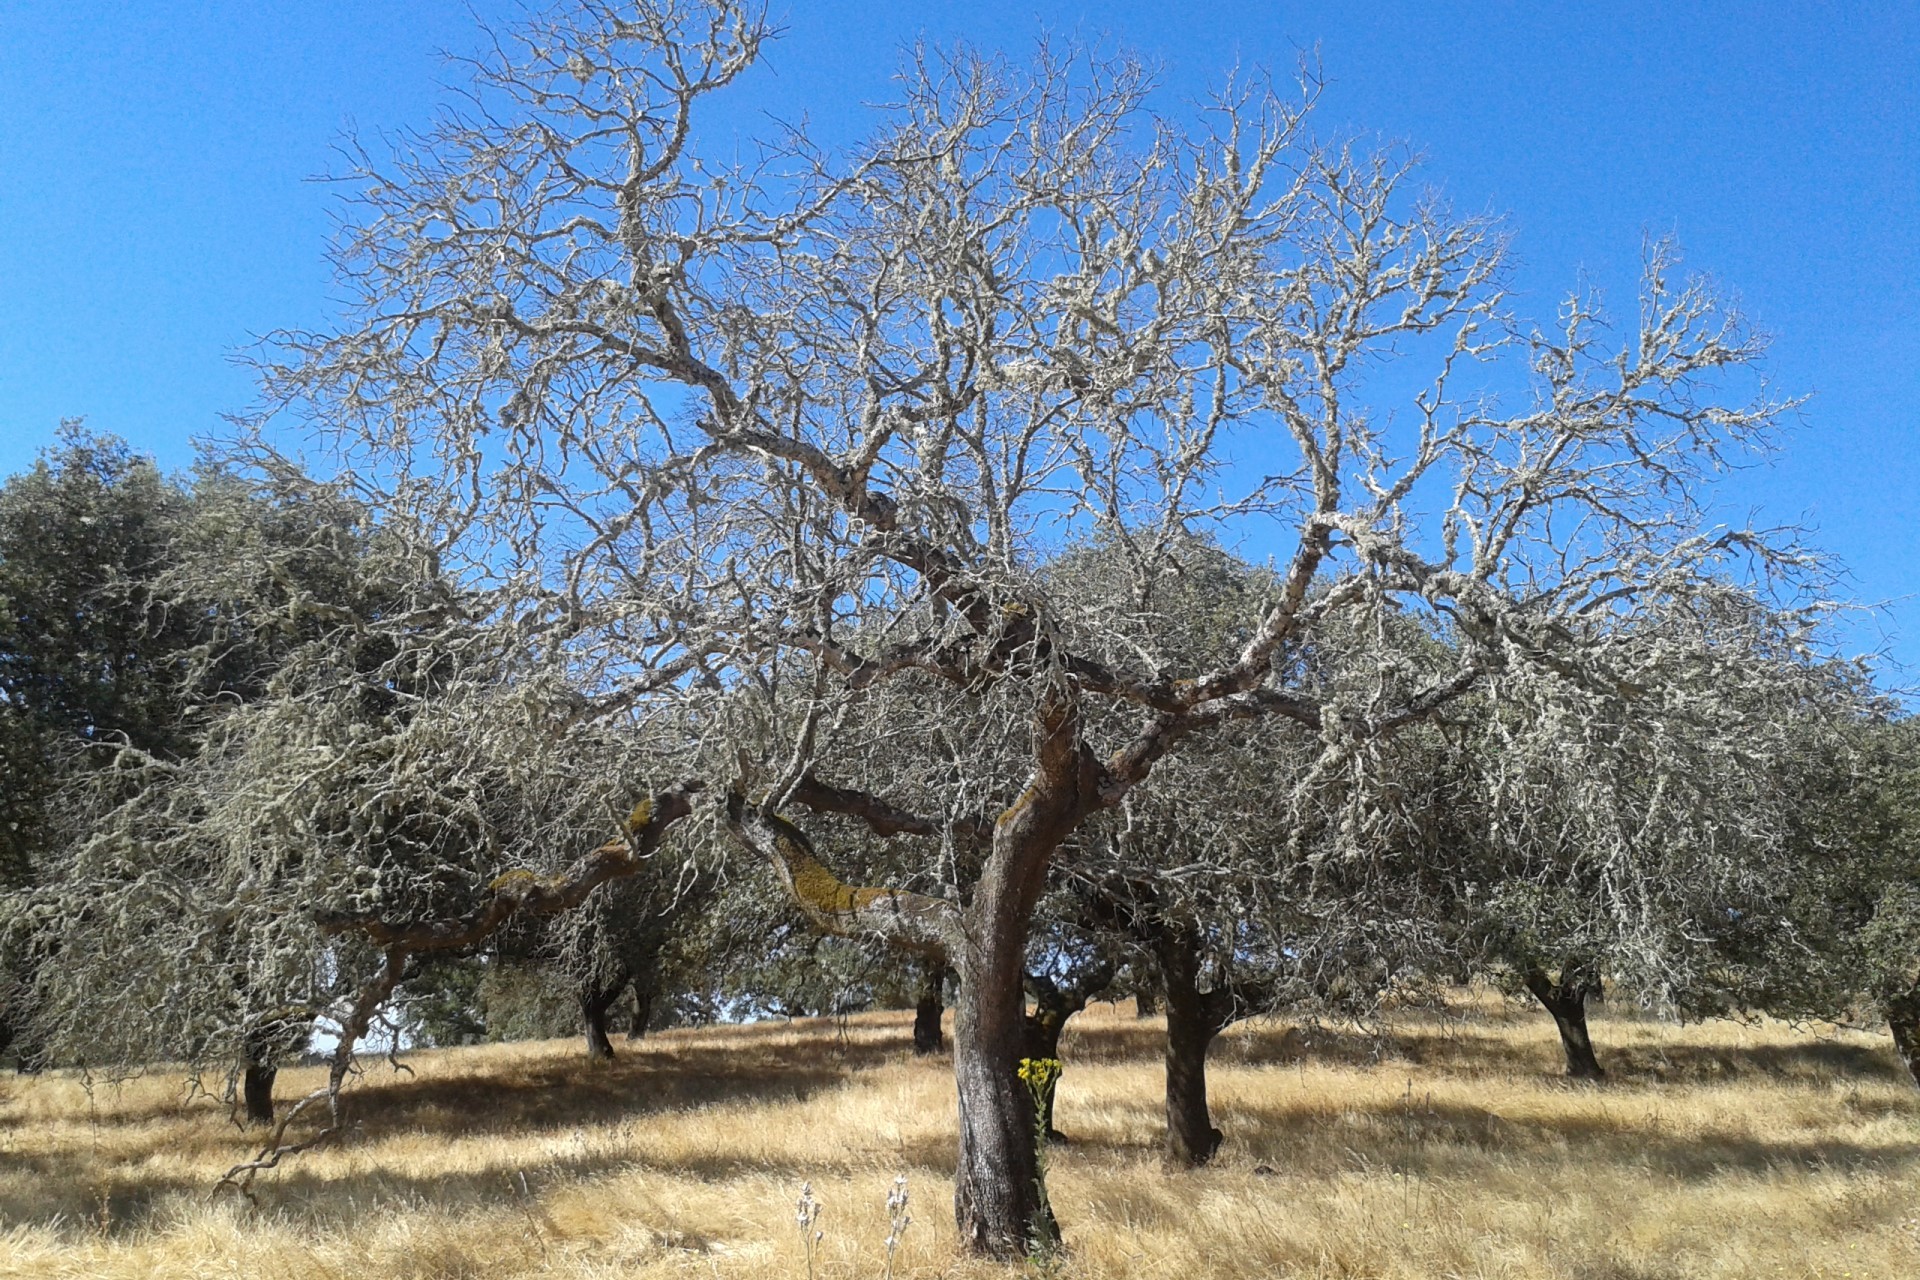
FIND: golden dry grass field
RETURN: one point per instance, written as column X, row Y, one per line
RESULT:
column 1447, row 1149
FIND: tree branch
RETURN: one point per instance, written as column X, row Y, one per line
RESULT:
column 914, row 921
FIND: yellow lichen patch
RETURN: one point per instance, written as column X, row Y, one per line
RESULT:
column 816, row 886
column 642, row 814
column 1015, row 809
column 518, row 880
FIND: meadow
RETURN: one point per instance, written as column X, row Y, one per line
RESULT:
column 1443, row 1144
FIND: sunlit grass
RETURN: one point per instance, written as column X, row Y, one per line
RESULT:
column 1450, row 1149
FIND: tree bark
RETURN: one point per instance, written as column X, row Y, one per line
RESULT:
column 256, row 1091
column 258, row 1073
column 1566, row 999
column 1000, row 1204
column 1902, row 1013
column 596, row 1003
column 997, row 1198
column 928, row 1036
column 1194, row 1018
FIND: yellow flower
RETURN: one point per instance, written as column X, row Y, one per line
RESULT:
column 1039, row 1072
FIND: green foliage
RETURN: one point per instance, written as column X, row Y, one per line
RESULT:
column 526, row 1001
column 445, row 1004
column 89, row 654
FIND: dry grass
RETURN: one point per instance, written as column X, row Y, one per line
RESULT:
column 1450, row 1150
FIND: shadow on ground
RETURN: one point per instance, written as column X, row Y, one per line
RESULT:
column 574, row 1117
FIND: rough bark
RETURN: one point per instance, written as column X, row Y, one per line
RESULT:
column 1000, row 1206
column 997, row 1197
column 596, row 1003
column 928, row 1035
column 912, row 921
column 1902, row 1013
column 1194, row 1019
column 1566, row 999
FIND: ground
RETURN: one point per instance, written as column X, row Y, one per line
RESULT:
column 1445, row 1147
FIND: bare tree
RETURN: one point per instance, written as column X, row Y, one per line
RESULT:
column 809, row 421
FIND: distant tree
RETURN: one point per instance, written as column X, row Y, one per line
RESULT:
column 321, row 698
column 1639, row 828
column 629, row 941
column 1849, row 899
column 117, row 633
column 88, row 654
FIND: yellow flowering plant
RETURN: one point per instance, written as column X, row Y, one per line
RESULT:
column 1041, row 1076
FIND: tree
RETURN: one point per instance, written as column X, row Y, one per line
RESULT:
column 809, row 424
column 1849, row 898
column 1641, row 830
column 85, row 656
column 120, row 633
column 158, row 927
column 622, row 941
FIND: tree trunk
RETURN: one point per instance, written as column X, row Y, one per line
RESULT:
column 1194, row 1018
column 1566, row 1000
column 997, row 1195
column 256, row 1090
column 595, row 1004
column 928, row 1037
column 999, row 1199
column 1000, row 1204
column 1146, row 1002
column 1902, row 1013
column 257, row 1074
column 642, row 1011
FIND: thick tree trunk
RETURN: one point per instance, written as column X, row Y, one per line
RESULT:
column 928, row 1037
column 1902, row 1013
column 997, row 1194
column 257, row 1075
column 256, row 1091
column 1194, row 1018
column 1566, row 1000
column 595, row 1004
column 999, row 1200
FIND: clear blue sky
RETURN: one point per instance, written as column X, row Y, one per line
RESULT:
column 154, row 213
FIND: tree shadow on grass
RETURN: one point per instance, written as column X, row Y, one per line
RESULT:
column 757, row 1063
column 542, row 1105
column 562, row 1094
column 68, row 1190
column 1446, row 1140
column 1471, row 1051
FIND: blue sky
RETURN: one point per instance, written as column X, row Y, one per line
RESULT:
column 155, row 213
